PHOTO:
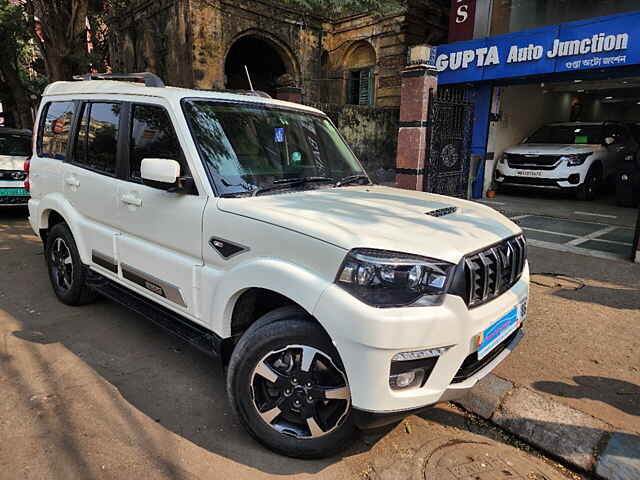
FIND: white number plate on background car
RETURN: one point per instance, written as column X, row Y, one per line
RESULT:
column 499, row 331
column 529, row 173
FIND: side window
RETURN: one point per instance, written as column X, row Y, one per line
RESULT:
column 152, row 136
column 53, row 136
column 97, row 143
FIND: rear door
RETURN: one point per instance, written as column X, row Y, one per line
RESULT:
column 90, row 180
column 160, row 248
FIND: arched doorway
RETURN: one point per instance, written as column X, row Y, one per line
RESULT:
column 264, row 61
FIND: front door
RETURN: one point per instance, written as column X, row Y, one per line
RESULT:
column 160, row 247
column 450, row 131
column 90, row 183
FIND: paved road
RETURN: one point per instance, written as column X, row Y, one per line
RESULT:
column 98, row 392
column 558, row 222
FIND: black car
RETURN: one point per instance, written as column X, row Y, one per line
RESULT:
column 628, row 174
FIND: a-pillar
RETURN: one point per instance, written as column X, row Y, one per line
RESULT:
column 289, row 94
column 417, row 82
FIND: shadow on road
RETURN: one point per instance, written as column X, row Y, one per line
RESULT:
column 620, row 394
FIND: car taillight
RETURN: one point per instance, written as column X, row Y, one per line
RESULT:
column 26, row 167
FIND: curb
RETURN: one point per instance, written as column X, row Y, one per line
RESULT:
column 579, row 439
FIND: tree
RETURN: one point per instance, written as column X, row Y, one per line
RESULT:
column 14, row 55
column 59, row 27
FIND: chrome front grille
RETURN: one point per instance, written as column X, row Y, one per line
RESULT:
column 495, row 270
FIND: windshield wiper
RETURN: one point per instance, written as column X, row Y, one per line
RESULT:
column 352, row 179
column 285, row 183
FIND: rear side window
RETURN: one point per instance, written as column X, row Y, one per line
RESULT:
column 55, row 129
column 96, row 145
column 152, row 136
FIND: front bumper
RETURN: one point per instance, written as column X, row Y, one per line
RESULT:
column 562, row 176
column 367, row 338
column 366, row 420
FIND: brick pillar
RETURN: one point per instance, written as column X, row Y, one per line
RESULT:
column 289, row 94
column 417, row 81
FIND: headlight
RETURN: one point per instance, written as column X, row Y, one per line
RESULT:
column 391, row 279
column 577, row 159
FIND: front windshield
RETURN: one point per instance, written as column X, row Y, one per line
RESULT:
column 248, row 147
column 567, row 134
column 15, row 145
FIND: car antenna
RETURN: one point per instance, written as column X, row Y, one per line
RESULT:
column 249, row 78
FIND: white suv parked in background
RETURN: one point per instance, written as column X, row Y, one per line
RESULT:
column 15, row 150
column 247, row 227
column 576, row 155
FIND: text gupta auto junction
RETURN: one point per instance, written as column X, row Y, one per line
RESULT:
column 487, row 56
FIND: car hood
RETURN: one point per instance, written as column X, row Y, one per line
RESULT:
column 11, row 162
column 382, row 218
column 552, row 149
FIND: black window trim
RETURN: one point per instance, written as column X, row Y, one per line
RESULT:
column 126, row 157
column 70, row 156
column 41, row 125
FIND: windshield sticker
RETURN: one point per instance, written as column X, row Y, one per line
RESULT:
column 582, row 139
column 279, row 135
column 296, row 157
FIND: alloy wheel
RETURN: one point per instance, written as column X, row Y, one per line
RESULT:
column 61, row 264
column 299, row 391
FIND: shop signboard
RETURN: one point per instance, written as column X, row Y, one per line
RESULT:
column 587, row 44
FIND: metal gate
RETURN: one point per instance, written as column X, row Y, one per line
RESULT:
column 449, row 139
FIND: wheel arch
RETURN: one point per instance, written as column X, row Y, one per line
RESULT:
column 54, row 210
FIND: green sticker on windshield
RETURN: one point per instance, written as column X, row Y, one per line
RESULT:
column 296, row 157
column 582, row 139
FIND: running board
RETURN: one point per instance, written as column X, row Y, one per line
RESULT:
column 186, row 330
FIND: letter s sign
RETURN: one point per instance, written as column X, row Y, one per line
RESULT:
column 462, row 20
column 462, row 14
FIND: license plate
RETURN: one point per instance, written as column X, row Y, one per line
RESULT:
column 13, row 192
column 499, row 331
column 528, row 173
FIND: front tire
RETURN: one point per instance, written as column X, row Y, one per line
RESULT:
column 589, row 189
column 287, row 385
column 66, row 270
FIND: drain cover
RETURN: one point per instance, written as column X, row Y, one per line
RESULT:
column 484, row 461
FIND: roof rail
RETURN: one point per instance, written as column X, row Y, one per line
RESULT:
column 150, row 79
column 249, row 93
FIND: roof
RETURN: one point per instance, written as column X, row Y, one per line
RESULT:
column 111, row 87
column 15, row 131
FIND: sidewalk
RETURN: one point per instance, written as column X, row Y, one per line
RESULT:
column 572, row 388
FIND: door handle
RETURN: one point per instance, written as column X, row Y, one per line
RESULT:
column 72, row 181
column 131, row 199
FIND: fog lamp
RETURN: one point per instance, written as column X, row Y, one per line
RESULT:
column 624, row 177
column 406, row 379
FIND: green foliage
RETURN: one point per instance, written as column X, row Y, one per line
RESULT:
column 332, row 7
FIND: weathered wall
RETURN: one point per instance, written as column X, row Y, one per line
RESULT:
column 390, row 36
column 372, row 133
column 153, row 35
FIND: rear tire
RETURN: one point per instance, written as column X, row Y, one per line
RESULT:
column 282, row 400
column 66, row 270
column 589, row 189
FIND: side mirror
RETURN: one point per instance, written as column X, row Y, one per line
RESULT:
column 159, row 172
column 609, row 141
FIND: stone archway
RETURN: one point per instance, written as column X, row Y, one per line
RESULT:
column 265, row 58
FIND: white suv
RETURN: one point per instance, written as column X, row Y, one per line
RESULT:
column 247, row 227
column 575, row 155
column 15, row 150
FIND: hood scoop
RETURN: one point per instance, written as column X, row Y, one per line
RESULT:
column 441, row 212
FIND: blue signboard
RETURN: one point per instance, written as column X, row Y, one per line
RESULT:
column 597, row 43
